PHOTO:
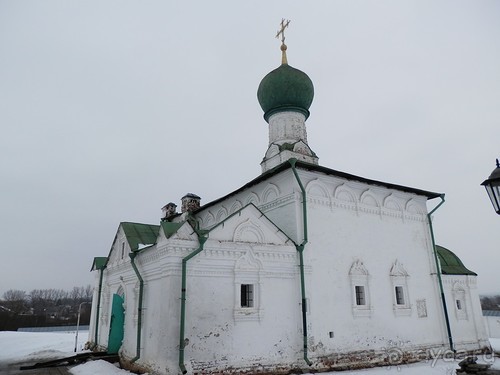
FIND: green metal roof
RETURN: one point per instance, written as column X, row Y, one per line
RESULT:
column 169, row 228
column 99, row 263
column 451, row 264
column 137, row 233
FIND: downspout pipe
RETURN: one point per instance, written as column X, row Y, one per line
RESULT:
column 201, row 239
column 99, row 292
column 440, row 281
column 300, row 249
column 139, row 308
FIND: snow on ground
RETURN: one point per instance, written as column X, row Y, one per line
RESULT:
column 97, row 368
column 31, row 347
column 17, row 347
column 495, row 345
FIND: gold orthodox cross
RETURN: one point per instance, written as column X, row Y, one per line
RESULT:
column 281, row 31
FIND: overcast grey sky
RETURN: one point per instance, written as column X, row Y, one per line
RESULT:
column 111, row 109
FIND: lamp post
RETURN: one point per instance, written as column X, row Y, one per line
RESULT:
column 78, row 323
column 492, row 185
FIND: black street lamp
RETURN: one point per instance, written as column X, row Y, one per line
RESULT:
column 492, row 186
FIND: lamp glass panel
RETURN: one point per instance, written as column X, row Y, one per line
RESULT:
column 493, row 191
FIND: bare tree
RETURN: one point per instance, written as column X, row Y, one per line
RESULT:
column 490, row 302
column 77, row 293
column 15, row 300
column 89, row 291
column 41, row 300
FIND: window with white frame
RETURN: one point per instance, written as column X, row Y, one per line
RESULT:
column 360, row 289
column 399, row 280
column 247, row 287
column 460, row 302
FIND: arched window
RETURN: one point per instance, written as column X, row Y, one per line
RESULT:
column 247, row 287
column 459, row 301
column 399, row 280
column 360, row 289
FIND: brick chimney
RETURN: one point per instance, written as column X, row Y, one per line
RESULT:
column 169, row 210
column 190, row 202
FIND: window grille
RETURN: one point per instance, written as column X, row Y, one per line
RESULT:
column 400, row 296
column 360, row 295
column 246, row 295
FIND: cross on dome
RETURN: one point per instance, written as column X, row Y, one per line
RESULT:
column 281, row 32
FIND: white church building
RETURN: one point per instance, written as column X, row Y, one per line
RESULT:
column 303, row 268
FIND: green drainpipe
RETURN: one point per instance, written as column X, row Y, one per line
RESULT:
column 438, row 268
column 300, row 249
column 98, row 306
column 139, row 308
column 202, row 239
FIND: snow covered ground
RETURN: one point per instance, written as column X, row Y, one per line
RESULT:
column 35, row 346
column 32, row 347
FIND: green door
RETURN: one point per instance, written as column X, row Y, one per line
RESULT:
column 116, row 326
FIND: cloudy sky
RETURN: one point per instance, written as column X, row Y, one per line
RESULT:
column 111, row 109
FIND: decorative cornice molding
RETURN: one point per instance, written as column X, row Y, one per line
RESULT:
column 280, row 202
column 463, row 280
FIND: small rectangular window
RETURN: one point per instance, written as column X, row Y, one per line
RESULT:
column 400, row 296
column 459, row 304
column 360, row 295
column 246, row 295
column 123, row 250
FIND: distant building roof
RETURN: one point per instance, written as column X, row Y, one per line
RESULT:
column 491, row 313
column 451, row 264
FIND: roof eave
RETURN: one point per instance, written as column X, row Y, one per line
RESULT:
column 312, row 167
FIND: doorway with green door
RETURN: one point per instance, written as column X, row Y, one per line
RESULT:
column 116, row 326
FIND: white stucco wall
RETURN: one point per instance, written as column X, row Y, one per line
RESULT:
column 247, row 249
column 358, row 234
column 277, row 197
column 467, row 326
column 352, row 222
column 93, row 314
column 221, row 333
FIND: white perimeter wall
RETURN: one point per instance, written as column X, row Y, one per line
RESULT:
column 492, row 324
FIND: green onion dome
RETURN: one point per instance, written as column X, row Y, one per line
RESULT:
column 285, row 89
